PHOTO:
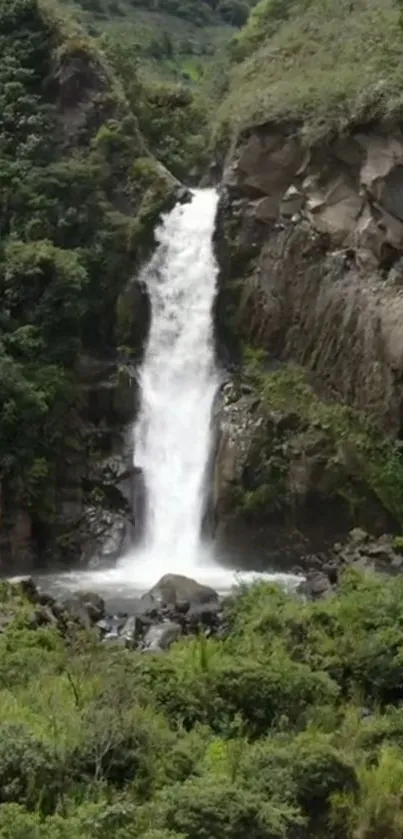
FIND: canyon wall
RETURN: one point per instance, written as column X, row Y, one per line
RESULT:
column 310, row 244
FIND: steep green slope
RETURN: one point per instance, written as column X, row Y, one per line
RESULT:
column 322, row 63
column 78, row 198
column 174, row 118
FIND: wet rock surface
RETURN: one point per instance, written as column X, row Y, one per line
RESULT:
column 174, row 607
column 163, row 615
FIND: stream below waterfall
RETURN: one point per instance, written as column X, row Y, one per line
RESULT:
column 173, row 431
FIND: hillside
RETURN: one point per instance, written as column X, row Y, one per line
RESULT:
column 182, row 712
column 79, row 195
column 171, row 40
column 328, row 65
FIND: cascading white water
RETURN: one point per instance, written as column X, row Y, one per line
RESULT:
column 178, row 383
column 172, row 435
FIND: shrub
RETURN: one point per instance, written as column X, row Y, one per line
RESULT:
column 201, row 809
column 30, row 774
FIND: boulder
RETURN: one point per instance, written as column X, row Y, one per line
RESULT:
column 316, row 586
column 291, row 202
column 358, row 536
column 112, row 624
column 29, row 589
column 86, row 608
column 367, row 553
column 173, row 589
column 43, row 616
column 205, row 614
column 74, row 609
column 161, row 636
column 131, row 630
column 332, row 572
column 94, row 605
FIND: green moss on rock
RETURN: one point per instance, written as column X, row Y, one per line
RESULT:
column 301, row 451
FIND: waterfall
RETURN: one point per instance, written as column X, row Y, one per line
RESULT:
column 172, row 433
column 178, row 383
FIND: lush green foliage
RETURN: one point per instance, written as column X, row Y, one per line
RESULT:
column 289, row 726
column 202, row 13
column 174, row 40
column 67, row 248
column 326, row 64
column 172, row 117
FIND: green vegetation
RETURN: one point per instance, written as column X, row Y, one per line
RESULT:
column 174, row 40
column 290, row 725
column 344, row 454
column 74, row 219
column 202, row 13
column 173, row 118
column 325, row 64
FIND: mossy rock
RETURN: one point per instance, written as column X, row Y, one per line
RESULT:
column 298, row 464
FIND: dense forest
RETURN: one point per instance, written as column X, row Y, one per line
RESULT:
column 79, row 195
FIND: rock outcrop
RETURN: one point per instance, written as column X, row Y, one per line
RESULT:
column 291, row 477
column 310, row 246
column 155, row 621
column 360, row 552
column 310, row 243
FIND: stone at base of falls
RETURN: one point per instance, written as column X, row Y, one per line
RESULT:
column 175, row 590
column 157, row 619
column 82, row 608
column 94, row 605
column 316, row 586
column 161, row 636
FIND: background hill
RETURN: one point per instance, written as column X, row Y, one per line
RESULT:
column 173, row 39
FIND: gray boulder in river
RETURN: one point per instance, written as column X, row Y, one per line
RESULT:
column 174, row 589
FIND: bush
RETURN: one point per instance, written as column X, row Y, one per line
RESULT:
column 306, row 772
column 246, row 734
column 201, row 809
column 30, row 773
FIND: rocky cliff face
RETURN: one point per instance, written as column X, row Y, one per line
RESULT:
column 312, row 259
column 310, row 244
